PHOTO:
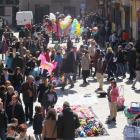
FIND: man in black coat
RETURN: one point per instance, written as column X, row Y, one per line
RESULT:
column 1, row 33
column 21, row 33
column 67, row 123
column 131, row 60
column 120, row 61
column 69, row 45
column 17, row 62
column 6, row 76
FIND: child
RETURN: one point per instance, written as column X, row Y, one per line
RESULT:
column 37, row 122
column 15, row 122
column 3, row 121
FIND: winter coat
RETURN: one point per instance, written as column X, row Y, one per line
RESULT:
column 33, row 49
column 18, row 80
column 138, row 64
column 6, row 46
column 85, row 62
column 30, row 64
column 48, row 129
column 109, row 57
column 24, row 60
column 21, row 33
column 67, row 66
column 26, row 33
column 131, row 55
column 41, row 90
column 47, row 56
column 67, row 122
column 10, row 78
column 18, row 112
column 95, row 59
column 37, row 123
column 120, row 57
column 9, row 62
column 24, row 87
column 1, row 66
column 103, row 64
column 49, row 98
column 19, row 50
column 3, row 119
column 91, row 50
column 17, row 62
column 6, row 35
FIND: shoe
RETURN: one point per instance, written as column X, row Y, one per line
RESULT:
column 30, row 122
column 72, row 86
column 130, row 78
column 62, row 88
column 99, row 89
column 85, row 82
column 107, row 79
column 107, row 122
column 114, row 119
column 133, row 88
column 123, row 77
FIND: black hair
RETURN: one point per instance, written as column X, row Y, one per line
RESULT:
column 12, row 126
column 58, row 53
column 51, row 86
column 113, row 81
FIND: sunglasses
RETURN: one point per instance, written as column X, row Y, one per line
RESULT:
column 24, row 131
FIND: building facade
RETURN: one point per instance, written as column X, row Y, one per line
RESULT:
column 44, row 7
column 8, row 9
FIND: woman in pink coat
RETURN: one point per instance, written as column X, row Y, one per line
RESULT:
column 7, row 45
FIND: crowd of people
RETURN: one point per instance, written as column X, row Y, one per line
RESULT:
column 103, row 52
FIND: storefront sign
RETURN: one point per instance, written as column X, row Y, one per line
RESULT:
column 138, row 13
column 101, row 4
column 83, row 5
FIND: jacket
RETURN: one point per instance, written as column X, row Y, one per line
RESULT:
column 6, row 35
column 19, row 50
column 24, row 87
column 109, row 57
column 1, row 66
column 6, row 46
column 48, row 129
column 67, row 123
column 3, row 119
column 69, row 45
column 95, row 60
column 102, row 32
column 125, row 36
column 9, row 62
column 10, row 78
column 72, row 57
column 27, row 137
column 17, row 62
column 24, row 60
column 30, row 64
column 21, row 33
column 18, row 80
column 18, row 112
column 41, row 90
column 85, row 62
column 67, row 66
column 120, row 32
column 131, row 55
column 49, row 98
column 114, row 91
column 103, row 65
column 37, row 123
column 120, row 57
column 26, row 33
column 9, row 137
column 33, row 49
column 1, row 32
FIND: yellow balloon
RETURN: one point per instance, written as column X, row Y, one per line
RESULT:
column 62, row 79
column 78, row 31
column 60, row 21
column 53, row 21
column 78, row 25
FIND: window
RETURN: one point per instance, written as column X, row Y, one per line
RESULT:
column 1, row 10
column 12, row 1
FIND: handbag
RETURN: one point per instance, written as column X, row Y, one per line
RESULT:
column 52, row 134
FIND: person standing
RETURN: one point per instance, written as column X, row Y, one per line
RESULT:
column 22, row 50
column 120, row 61
column 2, row 46
column 9, row 62
column 29, row 91
column 131, row 60
column 114, row 39
column 50, row 126
column 101, row 66
column 49, row 99
column 85, row 64
column 120, row 31
column 67, row 123
column 114, row 94
column 1, row 33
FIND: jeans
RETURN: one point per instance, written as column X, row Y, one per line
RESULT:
column 67, row 76
column 109, row 70
column 48, row 108
column 38, row 137
column 2, row 133
column 120, row 67
column 29, row 106
column 79, row 69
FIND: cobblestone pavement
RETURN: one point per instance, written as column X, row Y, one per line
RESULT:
column 101, row 109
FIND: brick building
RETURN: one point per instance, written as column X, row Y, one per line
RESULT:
column 44, row 7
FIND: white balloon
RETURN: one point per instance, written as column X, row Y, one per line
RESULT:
column 52, row 16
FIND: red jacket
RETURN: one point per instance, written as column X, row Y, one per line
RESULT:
column 47, row 57
column 125, row 36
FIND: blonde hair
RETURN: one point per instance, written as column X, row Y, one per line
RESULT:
column 109, row 50
column 45, row 82
column 0, row 100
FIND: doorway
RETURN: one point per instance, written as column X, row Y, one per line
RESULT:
column 15, row 9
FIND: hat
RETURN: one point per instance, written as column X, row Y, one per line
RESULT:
column 4, row 68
